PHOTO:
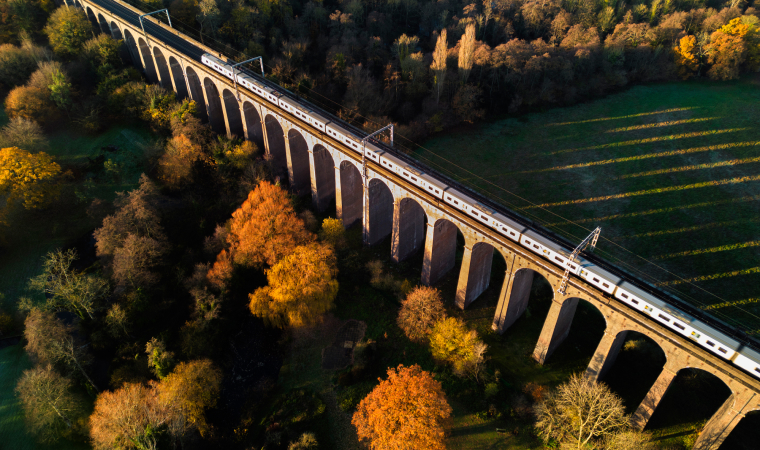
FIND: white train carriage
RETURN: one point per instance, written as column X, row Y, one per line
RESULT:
column 288, row 104
column 390, row 162
column 338, row 132
column 433, row 186
column 373, row 152
column 254, row 85
column 599, row 277
column 317, row 121
column 509, row 227
column 549, row 250
column 217, row 64
column 458, row 200
column 746, row 359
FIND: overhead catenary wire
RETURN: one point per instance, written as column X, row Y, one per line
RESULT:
column 227, row 48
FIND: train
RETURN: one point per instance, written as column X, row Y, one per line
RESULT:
column 702, row 334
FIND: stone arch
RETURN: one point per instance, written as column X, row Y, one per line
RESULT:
column 165, row 79
column 253, row 125
column 134, row 53
column 379, row 211
column 475, row 275
column 234, row 119
column 276, row 145
column 298, row 162
column 77, row 3
column 746, row 434
column 323, row 181
column 440, row 250
column 694, row 395
column 630, row 363
column 196, row 92
column 147, row 58
column 179, row 77
column 103, row 24
column 408, row 229
column 513, row 303
column 349, row 204
column 115, row 31
column 562, row 322
column 214, row 106
column 93, row 19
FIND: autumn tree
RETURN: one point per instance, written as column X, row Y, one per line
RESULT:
column 466, row 103
column 179, row 158
column 333, row 232
column 131, row 417
column 265, row 228
column 439, row 63
column 191, row 389
column 466, row 52
column 301, row 288
column 31, row 103
column 16, row 65
column 27, row 179
column 132, row 240
column 579, row 412
column 451, row 341
column 67, row 289
column 686, row 57
column 733, row 46
column 420, row 311
column 48, row 403
column 408, row 410
column 50, row 341
column 25, row 134
column 160, row 360
column 67, row 30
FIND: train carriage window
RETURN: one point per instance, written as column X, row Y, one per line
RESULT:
column 624, row 295
column 456, row 202
column 535, row 246
column 679, row 326
column 558, row 259
column 663, row 318
column 710, row 343
column 635, row 302
column 757, row 369
column 437, row 191
column 475, row 214
column 596, row 279
column 414, row 179
column 722, row 350
column 605, row 285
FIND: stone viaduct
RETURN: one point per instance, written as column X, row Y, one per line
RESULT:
column 387, row 205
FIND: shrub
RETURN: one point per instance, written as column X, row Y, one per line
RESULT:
column 420, row 311
column 31, row 103
column 16, row 65
column 25, row 134
column 451, row 341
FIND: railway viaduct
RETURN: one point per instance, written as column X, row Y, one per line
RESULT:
column 387, row 205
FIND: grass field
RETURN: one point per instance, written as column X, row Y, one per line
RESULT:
column 36, row 233
column 668, row 171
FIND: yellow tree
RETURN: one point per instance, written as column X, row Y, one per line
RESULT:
column 176, row 164
column 451, row 341
column 68, row 29
column 439, row 63
column 28, row 179
column 302, row 287
column 686, row 58
column 734, row 46
column 466, row 52
column 407, row 411
column 187, row 392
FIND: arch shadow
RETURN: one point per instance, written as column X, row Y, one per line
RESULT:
column 323, row 184
column 93, row 20
column 103, row 25
column 351, row 202
column 746, row 434
column 165, row 79
column 253, row 124
column 179, row 78
column 214, row 107
column 134, row 53
column 232, row 108
column 409, row 221
column 298, row 168
column 380, row 210
column 276, row 147
column 196, row 92
column 147, row 58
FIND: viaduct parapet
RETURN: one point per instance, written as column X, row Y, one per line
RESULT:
column 387, row 205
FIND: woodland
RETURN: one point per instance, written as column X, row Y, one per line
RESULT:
column 188, row 299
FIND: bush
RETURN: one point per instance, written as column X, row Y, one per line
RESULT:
column 24, row 134
column 420, row 311
column 16, row 65
column 31, row 103
column 451, row 341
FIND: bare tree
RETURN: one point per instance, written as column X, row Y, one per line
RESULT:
column 134, row 261
column 439, row 63
column 50, row 341
column 49, row 406
column 466, row 52
column 68, row 289
column 419, row 312
column 209, row 16
column 579, row 411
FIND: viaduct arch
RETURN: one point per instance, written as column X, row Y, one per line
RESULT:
column 418, row 223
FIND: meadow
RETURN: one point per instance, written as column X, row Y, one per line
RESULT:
column 668, row 171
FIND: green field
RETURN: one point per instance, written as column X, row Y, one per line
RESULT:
column 668, row 171
column 33, row 234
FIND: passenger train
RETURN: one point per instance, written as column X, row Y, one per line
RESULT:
column 684, row 324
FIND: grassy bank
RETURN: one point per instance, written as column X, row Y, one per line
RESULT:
column 669, row 172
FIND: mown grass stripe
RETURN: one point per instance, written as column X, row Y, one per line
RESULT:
column 671, row 137
column 670, row 123
column 701, row 251
column 732, row 162
column 688, row 229
column 685, row 151
column 746, row 301
column 602, row 119
column 663, row 190
column 715, row 276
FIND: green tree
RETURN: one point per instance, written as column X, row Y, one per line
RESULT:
column 60, row 90
column 68, row 29
column 160, row 360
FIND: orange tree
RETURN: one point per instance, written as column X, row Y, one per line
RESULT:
column 420, row 310
column 407, row 411
column 27, row 178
